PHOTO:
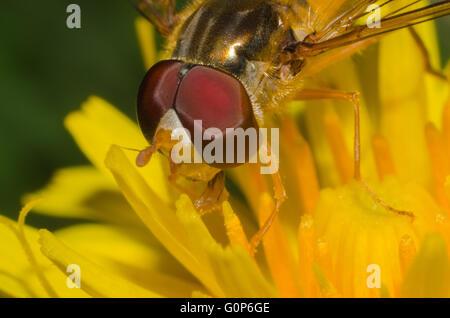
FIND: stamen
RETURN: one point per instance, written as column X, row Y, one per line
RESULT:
column 234, row 229
column 447, row 188
column 306, row 256
column 443, row 225
column 439, row 164
column 255, row 184
column 341, row 155
column 20, row 233
column 407, row 252
column 383, row 157
column 302, row 160
column 446, row 137
column 326, row 287
column 446, row 128
column 278, row 254
column 323, row 255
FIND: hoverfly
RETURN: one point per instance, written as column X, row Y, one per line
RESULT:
column 230, row 62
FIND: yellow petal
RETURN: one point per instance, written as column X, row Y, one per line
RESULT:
column 14, row 264
column 299, row 161
column 326, row 288
column 183, row 234
column 439, row 165
column 146, row 37
column 156, row 215
column 83, row 192
column 314, row 117
column 17, row 277
column 199, row 294
column 447, row 187
column 95, row 280
column 408, row 251
column 306, row 241
column 341, row 154
column 238, row 274
column 233, row 268
column 98, row 125
column 383, row 156
column 429, row 275
column 233, row 227
column 437, row 90
column 132, row 254
column 446, row 127
column 360, row 232
column 404, row 105
column 277, row 251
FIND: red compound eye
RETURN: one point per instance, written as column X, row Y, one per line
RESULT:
column 216, row 98
column 157, row 95
column 196, row 93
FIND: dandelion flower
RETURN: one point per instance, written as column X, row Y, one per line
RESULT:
column 331, row 238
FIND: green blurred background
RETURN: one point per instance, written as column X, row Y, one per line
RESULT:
column 48, row 70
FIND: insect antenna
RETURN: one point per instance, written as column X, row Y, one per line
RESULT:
column 129, row 149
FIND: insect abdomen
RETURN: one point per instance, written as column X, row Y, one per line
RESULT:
column 225, row 33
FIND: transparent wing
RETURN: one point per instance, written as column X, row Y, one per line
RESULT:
column 351, row 26
column 322, row 14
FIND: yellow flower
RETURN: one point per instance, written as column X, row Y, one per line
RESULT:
column 331, row 239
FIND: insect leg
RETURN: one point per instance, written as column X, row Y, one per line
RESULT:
column 280, row 196
column 314, row 94
column 173, row 178
column 318, row 63
column 426, row 55
column 214, row 195
column 161, row 13
column 210, row 199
